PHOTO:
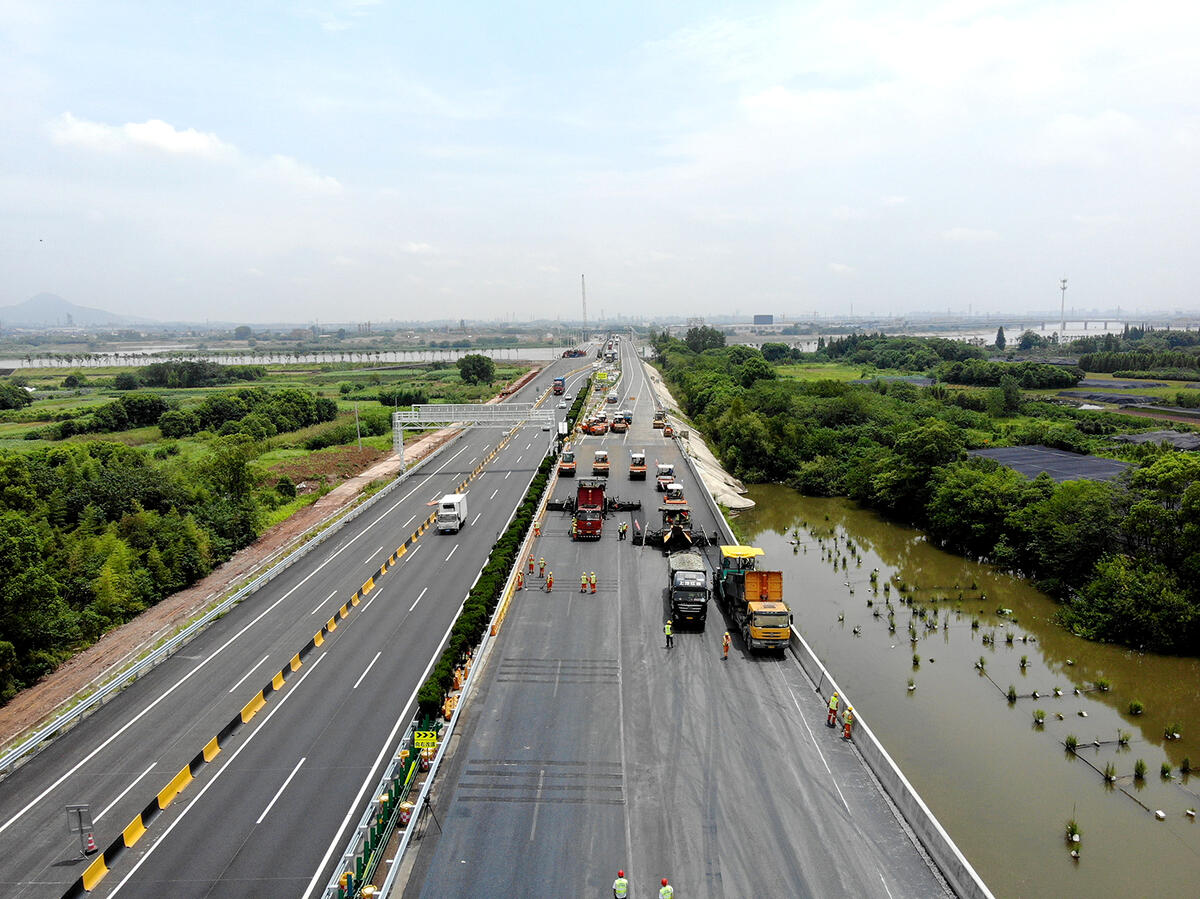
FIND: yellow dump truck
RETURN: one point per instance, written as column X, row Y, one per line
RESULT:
column 753, row 598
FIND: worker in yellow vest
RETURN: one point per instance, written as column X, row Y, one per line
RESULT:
column 593, row 583
column 831, row 721
column 620, row 886
column 666, row 891
column 847, row 722
column 583, row 582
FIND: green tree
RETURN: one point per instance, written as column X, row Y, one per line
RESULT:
column 1136, row 602
column 704, row 338
column 242, row 332
column 476, row 368
column 1000, row 341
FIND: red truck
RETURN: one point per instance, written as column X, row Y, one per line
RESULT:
column 588, row 521
column 560, row 384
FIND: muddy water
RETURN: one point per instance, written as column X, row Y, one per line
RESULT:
column 1003, row 787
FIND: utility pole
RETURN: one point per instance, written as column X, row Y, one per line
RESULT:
column 1063, row 311
column 583, row 287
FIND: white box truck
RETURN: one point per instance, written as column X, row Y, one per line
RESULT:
column 452, row 513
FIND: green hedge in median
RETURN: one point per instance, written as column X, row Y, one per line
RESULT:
column 481, row 602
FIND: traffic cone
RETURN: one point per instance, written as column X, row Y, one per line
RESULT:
column 91, row 845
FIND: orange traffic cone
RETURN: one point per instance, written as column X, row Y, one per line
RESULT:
column 91, row 845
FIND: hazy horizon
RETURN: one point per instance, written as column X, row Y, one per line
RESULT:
column 357, row 160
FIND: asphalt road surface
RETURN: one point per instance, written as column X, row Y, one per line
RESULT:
column 591, row 747
column 272, row 811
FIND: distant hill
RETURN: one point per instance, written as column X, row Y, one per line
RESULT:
column 47, row 310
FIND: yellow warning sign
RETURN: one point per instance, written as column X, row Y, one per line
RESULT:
column 425, row 739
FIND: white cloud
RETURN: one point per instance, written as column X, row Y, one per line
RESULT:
column 154, row 134
column 158, row 136
column 1095, row 140
column 970, row 235
column 840, row 268
column 291, row 172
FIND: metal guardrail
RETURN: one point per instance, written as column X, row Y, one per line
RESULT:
column 9, row 760
column 937, row 843
column 346, row 862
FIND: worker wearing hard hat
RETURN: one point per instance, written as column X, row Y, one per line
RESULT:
column 831, row 721
column 620, row 886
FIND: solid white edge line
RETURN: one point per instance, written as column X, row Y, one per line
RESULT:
column 275, row 798
column 108, row 808
column 253, row 668
column 367, row 669
column 372, row 773
column 196, row 801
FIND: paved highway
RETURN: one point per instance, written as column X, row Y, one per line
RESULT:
column 591, row 747
column 273, row 809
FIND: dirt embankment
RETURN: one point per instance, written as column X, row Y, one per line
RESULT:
column 37, row 705
column 725, row 488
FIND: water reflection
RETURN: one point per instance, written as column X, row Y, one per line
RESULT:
column 1003, row 786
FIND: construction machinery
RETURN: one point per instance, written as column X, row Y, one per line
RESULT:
column 566, row 464
column 587, row 523
column 637, row 466
column 753, row 598
column 675, row 533
column 687, row 587
column 600, row 463
column 664, row 474
column 674, row 493
column 596, row 427
column 619, row 426
column 668, row 430
column 660, row 419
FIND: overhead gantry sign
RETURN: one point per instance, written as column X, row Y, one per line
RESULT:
column 497, row 415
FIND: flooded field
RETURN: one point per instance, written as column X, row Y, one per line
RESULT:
column 1002, row 785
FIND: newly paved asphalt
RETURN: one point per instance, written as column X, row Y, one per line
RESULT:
column 267, row 816
column 590, row 747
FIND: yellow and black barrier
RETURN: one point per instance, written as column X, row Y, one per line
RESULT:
column 133, row 831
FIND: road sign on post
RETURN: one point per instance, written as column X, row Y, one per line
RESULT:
column 425, row 739
column 79, row 820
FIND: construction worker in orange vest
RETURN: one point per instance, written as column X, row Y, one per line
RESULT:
column 542, row 567
column 593, row 583
column 847, row 722
column 725, row 647
column 583, row 582
column 531, row 564
column 550, row 582
column 537, row 528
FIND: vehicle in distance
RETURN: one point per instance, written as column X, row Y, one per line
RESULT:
column 566, row 464
column 637, row 466
column 559, row 386
column 452, row 513
column 562, row 404
column 569, row 396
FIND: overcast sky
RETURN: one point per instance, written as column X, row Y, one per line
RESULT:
column 346, row 160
